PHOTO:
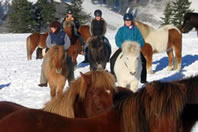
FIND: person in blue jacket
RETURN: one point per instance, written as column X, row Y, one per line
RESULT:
column 58, row 37
column 129, row 32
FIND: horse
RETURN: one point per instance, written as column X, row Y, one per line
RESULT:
column 155, row 108
column 33, row 41
column 128, row 65
column 57, row 69
column 98, row 53
column 192, row 91
column 75, row 47
column 190, row 21
column 90, row 94
column 166, row 38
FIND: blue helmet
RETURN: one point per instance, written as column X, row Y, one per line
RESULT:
column 128, row 17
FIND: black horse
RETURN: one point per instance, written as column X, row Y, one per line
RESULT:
column 99, row 51
column 190, row 22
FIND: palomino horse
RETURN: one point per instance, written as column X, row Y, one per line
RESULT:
column 190, row 22
column 75, row 47
column 89, row 95
column 167, row 38
column 33, row 41
column 128, row 66
column 98, row 53
column 156, row 108
column 57, row 69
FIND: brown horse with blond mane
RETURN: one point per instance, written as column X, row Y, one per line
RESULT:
column 154, row 108
column 167, row 38
column 33, row 41
column 57, row 69
column 90, row 94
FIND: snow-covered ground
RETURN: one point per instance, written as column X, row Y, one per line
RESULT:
column 19, row 78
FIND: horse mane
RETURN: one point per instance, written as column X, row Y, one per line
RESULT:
column 144, row 28
column 70, row 25
column 93, row 42
column 131, row 47
column 63, row 105
column 156, row 100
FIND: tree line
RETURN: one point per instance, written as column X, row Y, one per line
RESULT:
column 27, row 17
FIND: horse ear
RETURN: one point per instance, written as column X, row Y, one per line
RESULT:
column 150, row 88
column 85, row 78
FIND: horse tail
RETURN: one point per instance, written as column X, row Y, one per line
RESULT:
column 28, row 45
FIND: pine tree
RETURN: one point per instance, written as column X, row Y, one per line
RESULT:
column 20, row 19
column 168, row 12
column 47, row 12
column 180, row 7
column 76, row 7
column 175, row 11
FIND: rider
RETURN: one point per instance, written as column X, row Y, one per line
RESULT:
column 129, row 32
column 57, row 37
column 70, row 17
column 98, row 28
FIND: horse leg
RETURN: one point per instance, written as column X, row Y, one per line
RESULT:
column 170, row 59
column 39, row 54
column 52, row 90
column 147, row 51
column 59, row 89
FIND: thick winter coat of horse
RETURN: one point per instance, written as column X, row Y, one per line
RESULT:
column 128, row 65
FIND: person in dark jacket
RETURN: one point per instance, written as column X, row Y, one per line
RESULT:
column 98, row 28
column 129, row 32
column 57, row 37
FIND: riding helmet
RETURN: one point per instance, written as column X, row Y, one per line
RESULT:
column 69, row 11
column 128, row 17
column 98, row 13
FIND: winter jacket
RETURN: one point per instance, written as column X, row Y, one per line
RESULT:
column 125, row 33
column 76, row 22
column 98, row 28
column 59, row 39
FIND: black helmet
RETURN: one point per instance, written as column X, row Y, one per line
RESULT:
column 69, row 11
column 98, row 13
column 128, row 17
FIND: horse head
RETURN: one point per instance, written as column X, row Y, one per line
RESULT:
column 98, row 53
column 190, row 21
column 96, row 92
column 57, row 58
column 69, row 28
column 131, row 56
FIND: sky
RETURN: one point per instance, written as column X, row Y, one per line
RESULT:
column 19, row 78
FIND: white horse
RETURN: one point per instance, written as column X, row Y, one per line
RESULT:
column 128, row 66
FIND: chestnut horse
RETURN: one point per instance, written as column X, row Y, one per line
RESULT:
column 84, row 31
column 57, row 69
column 167, row 38
column 156, row 108
column 75, row 47
column 89, row 95
column 190, row 22
column 33, row 41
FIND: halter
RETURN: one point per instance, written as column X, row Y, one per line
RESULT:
column 131, row 73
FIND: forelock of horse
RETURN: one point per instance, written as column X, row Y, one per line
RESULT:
column 167, row 100
column 131, row 47
column 93, row 42
column 68, row 24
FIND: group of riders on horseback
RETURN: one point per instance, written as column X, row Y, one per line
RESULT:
column 98, row 28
